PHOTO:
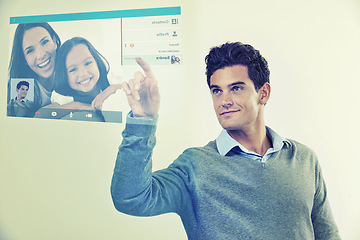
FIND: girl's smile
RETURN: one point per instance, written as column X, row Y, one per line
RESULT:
column 82, row 69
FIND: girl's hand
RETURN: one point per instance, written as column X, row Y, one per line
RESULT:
column 101, row 97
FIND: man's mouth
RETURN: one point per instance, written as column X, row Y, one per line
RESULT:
column 228, row 112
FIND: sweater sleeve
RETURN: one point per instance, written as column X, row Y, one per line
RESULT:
column 135, row 189
column 323, row 222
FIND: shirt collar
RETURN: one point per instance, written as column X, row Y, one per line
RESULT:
column 22, row 100
column 225, row 142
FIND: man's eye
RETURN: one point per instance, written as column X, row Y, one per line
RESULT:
column 237, row 88
column 216, row 91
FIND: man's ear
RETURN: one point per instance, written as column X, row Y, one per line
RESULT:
column 264, row 93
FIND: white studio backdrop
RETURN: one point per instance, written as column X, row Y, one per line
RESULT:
column 55, row 175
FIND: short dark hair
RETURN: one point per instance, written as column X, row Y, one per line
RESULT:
column 236, row 53
column 22, row 83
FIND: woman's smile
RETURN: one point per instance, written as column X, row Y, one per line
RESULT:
column 40, row 51
column 44, row 64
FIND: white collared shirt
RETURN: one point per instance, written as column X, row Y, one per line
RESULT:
column 24, row 100
column 225, row 143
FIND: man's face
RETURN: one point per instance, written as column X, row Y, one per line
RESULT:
column 236, row 102
column 22, row 92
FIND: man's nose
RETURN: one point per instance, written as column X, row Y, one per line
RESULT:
column 227, row 100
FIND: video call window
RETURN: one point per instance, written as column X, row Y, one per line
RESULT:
column 70, row 66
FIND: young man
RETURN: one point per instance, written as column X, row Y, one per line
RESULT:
column 22, row 89
column 250, row 183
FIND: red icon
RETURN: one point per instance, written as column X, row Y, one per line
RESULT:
column 132, row 45
column 37, row 112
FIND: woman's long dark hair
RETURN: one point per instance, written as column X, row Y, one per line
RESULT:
column 62, row 85
column 18, row 67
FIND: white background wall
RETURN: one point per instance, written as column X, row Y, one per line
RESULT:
column 55, row 175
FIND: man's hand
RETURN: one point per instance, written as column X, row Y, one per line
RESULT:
column 143, row 93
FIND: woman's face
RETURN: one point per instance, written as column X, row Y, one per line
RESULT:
column 39, row 51
column 82, row 69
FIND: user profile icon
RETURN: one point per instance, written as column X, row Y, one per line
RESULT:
column 175, row 59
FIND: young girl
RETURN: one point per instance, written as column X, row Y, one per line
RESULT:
column 81, row 72
column 33, row 57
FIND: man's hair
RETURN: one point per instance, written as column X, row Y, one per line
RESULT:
column 22, row 83
column 237, row 53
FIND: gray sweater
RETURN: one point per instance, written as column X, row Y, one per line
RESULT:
column 225, row 197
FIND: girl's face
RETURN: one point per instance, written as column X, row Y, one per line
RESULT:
column 40, row 51
column 82, row 69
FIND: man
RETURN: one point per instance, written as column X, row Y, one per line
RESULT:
column 20, row 106
column 22, row 89
column 250, row 183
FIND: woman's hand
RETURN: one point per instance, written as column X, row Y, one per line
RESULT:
column 142, row 92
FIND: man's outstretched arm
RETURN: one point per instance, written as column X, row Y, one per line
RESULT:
column 135, row 189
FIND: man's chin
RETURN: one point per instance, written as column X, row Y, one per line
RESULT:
column 229, row 127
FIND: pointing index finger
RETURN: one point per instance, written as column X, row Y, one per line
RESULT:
column 146, row 67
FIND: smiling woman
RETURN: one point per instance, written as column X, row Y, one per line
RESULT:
column 33, row 57
column 40, row 51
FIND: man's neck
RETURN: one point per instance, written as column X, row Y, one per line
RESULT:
column 253, row 139
column 19, row 99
